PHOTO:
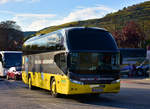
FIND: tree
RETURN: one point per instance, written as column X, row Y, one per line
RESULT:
column 9, row 25
column 134, row 36
column 11, row 36
column 131, row 36
column 119, row 38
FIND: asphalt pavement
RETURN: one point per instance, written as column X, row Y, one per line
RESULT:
column 133, row 95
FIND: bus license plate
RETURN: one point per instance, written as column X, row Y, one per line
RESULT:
column 97, row 90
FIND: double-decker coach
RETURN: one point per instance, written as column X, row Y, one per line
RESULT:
column 75, row 60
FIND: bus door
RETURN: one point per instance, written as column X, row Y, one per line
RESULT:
column 61, row 62
column 37, row 69
column 41, row 75
column 25, row 63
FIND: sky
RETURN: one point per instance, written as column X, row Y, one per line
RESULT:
column 34, row 15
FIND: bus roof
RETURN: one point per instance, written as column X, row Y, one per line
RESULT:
column 78, row 28
column 64, row 29
column 70, row 39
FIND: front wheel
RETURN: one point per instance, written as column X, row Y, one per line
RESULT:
column 95, row 95
column 53, row 88
column 15, row 77
column 30, row 83
column 140, row 72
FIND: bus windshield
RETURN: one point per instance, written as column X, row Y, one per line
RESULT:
column 93, row 62
column 13, row 59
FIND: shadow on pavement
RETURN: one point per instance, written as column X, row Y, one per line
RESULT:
column 130, row 98
column 127, row 98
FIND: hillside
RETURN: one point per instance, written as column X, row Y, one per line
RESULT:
column 139, row 13
column 27, row 33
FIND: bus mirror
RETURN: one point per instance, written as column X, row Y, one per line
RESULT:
column 1, row 58
column 3, row 64
column 68, row 60
column 121, row 59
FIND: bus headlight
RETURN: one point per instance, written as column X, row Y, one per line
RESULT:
column 76, row 82
column 115, row 81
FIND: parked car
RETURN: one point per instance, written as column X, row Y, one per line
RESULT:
column 124, row 70
column 142, row 69
column 14, row 73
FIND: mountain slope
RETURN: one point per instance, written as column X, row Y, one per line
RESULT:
column 139, row 13
column 27, row 33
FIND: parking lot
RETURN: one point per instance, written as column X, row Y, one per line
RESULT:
column 134, row 94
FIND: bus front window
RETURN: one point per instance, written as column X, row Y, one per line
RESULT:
column 13, row 59
column 93, row 62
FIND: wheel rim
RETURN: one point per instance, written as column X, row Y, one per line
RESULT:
column 29, row 83
column 53, row 87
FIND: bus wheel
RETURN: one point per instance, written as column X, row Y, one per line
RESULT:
column 94, row 95
column 53, row 88
column 30, row 83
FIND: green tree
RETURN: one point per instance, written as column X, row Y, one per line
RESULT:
column 11, row 36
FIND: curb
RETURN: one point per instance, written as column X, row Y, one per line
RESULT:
column 138, row 81
column 147, row 79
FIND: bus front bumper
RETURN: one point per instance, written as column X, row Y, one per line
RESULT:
column 77, row 88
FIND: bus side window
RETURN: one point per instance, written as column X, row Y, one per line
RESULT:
column 61, row 61
column 57, row 58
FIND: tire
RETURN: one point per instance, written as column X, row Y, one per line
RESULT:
column 30, row 84
column 53, row 88
column 95, row 95
column 15, row 78
column 140, row 72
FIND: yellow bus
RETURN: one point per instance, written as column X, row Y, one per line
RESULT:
column 74, row 60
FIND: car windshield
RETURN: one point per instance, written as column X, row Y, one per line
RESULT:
column 93, row 62
column 12, row 59
column 18, row 68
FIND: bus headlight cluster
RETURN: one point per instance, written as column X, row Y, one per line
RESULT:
column 76, row 82
column 116, row 81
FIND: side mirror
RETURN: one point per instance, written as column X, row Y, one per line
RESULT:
column 1, row 66
column 1, row 58
column 3, row 63
column 121, row 59
column 68, row 59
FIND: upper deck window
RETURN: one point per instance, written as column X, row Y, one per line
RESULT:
column 90, row 39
